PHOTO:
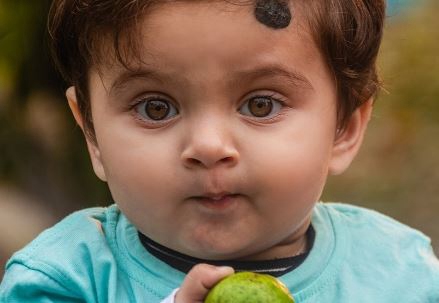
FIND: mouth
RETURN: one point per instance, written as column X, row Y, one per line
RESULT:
column 217, row 201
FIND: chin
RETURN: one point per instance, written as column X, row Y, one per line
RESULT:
column 218, row 251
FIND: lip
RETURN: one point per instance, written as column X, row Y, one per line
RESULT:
column 215, row 196
column 217, row 201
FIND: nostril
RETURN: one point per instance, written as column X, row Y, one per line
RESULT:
column 192, row 161
column 226, row 159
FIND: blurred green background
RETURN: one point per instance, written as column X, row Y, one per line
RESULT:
column 45, row 171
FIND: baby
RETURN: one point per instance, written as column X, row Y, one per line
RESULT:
column 216, row 125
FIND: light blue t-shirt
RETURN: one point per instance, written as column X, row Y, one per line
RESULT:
column 95, row 255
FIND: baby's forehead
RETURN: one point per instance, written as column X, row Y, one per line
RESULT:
column 127, row 49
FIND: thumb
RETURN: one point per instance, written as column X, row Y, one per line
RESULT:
column 199, row 280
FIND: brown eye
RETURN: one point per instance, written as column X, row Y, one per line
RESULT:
column 260, row 106
column 156, row 109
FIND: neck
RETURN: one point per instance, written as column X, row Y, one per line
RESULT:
column 264, row 263
column 295, row 244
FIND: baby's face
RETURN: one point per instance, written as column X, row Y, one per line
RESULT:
column 220, row 145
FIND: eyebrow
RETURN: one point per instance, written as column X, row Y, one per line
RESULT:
column 141, row 74
column 236, row 78
column 270, row 71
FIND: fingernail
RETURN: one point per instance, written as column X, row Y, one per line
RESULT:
column 225, row 269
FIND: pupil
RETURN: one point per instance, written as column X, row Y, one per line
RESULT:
column 260, row 107
column 157, row 110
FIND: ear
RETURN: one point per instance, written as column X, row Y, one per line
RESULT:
column 92, row 145
column 348, row 141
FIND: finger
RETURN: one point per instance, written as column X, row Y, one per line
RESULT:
column 199, row 280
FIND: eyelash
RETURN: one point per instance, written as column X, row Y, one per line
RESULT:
column 151, row 122
column 273, row 97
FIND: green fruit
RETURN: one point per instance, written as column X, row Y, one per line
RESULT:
column 249, row 287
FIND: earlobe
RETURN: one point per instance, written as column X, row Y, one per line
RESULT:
column 92, row 146
column 348, row 142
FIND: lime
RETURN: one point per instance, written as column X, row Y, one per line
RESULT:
column 249, row 287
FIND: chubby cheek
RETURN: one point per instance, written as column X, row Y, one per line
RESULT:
column 140, row 173
column 290, row 177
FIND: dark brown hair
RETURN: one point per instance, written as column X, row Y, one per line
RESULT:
column 347, row 32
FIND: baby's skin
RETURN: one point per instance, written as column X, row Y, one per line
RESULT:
column 199, row 280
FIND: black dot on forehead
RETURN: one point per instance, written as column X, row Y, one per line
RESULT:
column 273, row 13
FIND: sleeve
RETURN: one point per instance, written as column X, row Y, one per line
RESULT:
column 21, row 284
column 171, row 297
column 434, row 268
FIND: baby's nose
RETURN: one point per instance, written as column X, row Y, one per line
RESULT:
column 208, row 147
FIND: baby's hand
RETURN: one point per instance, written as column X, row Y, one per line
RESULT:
column 199, row 280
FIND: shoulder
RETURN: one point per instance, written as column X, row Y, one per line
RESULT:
column 79, row 229
column 376, row 232
column 375, row 225
column 385, row 251
column 66, row 253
